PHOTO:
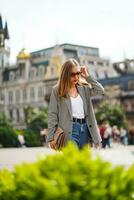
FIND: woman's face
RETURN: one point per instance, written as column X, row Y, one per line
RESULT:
column 75, row 75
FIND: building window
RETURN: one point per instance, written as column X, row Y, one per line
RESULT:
column 1, row 96
column 91, row 63
column 24, row 95
column 17, row 74
column 40, row 92
column 40, row 71
column 17, row 95
column 32, row 94
column 52, row 71
column 10, row 95
column 83, row 51
column 11, row 114
column 100, row 64
column 11, row 76
column 31, row 74
column 17, row 115
column 95, row 52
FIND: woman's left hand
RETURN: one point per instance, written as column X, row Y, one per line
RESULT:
column 84, row 72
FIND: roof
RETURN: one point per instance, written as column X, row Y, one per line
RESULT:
column 61, row 45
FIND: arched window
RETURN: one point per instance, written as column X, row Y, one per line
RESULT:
column 40, row 91
column 10, row 97
column 11, row 76
column 32, row 94
column 17, row 96
column 11, row 114
column 40, row 71
column 17, row 115
column 24, row 95
column 31, row 74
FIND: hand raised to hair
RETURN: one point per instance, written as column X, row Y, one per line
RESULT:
column 84, row 72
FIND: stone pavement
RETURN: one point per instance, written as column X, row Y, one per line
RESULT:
column 118, row 155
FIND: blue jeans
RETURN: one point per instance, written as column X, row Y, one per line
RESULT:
column 80, row 134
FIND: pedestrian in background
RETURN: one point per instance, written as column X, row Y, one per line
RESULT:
column 107, row 136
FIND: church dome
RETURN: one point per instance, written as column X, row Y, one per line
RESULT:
column 23, row 54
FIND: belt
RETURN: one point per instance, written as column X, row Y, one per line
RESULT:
column 79, row 120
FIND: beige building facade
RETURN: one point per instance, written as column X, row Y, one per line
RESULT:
column 29, row 81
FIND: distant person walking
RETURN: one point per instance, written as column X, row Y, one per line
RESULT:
column 21, row 140
column 71, row 108
column 107, row 135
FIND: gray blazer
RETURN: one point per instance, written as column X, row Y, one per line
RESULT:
column 60, row 111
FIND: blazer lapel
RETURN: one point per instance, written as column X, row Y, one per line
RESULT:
column 68, row 102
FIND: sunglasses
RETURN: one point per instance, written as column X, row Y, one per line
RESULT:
column 74, row 74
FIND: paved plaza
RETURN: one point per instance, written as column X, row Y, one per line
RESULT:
column 118, row 155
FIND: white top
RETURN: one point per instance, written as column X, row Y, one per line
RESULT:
column 77, row 107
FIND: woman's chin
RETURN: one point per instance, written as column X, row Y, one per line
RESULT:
column 75, row 82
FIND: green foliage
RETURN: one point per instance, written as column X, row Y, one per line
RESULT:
column 36, row 120
column 32, row 139
column 7, row 185
column 68, row 175
column 8, row 137
column 114, row 114
column 3, row 120
column 21, row 132
column 39, row 120
column 28, row 112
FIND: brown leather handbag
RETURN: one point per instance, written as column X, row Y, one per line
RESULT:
column 59, row 139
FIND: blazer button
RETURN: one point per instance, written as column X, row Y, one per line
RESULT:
column 90, row 125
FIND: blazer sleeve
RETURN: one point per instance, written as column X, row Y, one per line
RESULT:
column 52, row 115
column 97, row 88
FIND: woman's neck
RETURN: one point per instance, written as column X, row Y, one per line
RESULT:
column 72, row 86
column 73, row 91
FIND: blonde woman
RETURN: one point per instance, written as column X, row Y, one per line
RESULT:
column 71, row 107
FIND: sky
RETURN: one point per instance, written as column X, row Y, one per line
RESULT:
column 38, row 24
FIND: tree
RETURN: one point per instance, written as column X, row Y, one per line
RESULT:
column 3, row 120
column 36, row 120
column 28, row 112
column 8, row 137
column 114, row 114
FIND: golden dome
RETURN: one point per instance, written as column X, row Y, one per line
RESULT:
column 23, row 55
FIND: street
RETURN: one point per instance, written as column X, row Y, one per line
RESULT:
column 118, row 155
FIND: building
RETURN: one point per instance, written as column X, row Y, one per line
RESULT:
column 124, row 67
column 120, row 89
column 30, row 80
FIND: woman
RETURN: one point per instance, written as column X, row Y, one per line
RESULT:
column 70, row 105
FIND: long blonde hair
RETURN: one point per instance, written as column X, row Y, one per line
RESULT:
column 64, row 79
